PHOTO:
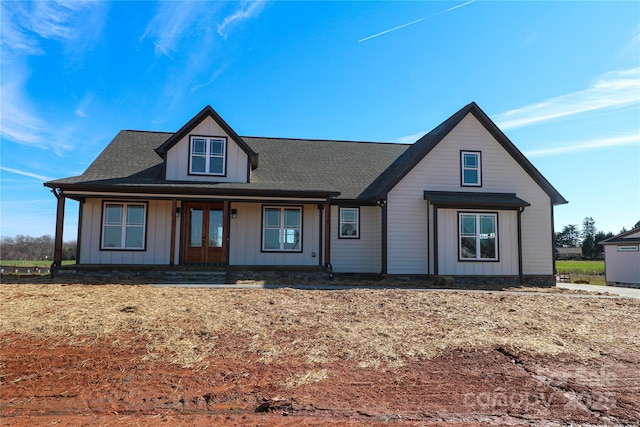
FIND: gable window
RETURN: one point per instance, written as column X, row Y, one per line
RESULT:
column 123, row 226
column 471, row 168
column 349, row 223
column 478, row 236
column 282, row 229
column 207, row 156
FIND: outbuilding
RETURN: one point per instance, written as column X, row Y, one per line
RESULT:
column 622, row 259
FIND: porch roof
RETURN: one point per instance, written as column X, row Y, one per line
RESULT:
column 467, row 199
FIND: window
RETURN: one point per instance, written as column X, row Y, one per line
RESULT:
column 349, row 223
column 478, row 237
column 123, row 226
column 282, row 229
column 207, row 156
column 471, row 172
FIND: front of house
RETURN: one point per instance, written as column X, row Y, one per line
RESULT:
column 460, row 201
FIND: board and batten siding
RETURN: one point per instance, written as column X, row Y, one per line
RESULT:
column 245, row 237
column 440, row 171
column 448, row 255
column 357, row 255
column 158, row 231
column 178, row 157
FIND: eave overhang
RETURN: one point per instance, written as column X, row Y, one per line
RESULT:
column 173, row 191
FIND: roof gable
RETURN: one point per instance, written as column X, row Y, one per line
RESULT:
column 208, row 111
column 423, row 146
column 632, row 235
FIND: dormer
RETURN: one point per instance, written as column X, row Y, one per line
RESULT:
column 207, row 149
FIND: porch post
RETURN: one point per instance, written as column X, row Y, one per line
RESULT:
column 57, row 251
column 172, row 244
column 384, row 242
column 327, row 234
column 519, row 222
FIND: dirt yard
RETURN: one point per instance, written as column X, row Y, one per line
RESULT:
column 139, row 355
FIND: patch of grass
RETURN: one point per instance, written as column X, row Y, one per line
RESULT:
column 580, row 267
column 374, row 328
column 30, row 263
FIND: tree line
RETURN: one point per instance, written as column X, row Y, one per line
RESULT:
column 34, row 248
column 588, row 238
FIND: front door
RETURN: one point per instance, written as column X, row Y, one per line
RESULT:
column 205, row 233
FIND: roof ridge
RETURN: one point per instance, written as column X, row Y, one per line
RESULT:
column 146, row 131
column 325, row 140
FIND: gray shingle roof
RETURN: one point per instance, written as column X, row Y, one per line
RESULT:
column 286, row 165
column 365, row 171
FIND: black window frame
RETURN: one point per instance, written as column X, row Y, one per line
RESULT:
column 208, row 155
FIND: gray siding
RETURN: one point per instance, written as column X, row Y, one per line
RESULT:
column 157, row 237
column 178, row 157
column 246, row 234
column 440, row 171
column 507, row 264
column 357, row 255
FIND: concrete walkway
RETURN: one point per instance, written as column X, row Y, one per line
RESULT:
column 615, row 290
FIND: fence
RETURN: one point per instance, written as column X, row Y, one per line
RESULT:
column 23, row 269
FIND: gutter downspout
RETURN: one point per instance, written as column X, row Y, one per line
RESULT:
column 384, row 240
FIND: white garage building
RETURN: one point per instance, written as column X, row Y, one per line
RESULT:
column 622, row 259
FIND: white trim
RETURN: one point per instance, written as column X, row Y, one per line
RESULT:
column 355, row 224
column 208, row 155
column 464, row 168
column 124, row 226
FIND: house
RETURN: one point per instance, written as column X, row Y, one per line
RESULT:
column 622, row 259
column 568, row 253
column 461, row 201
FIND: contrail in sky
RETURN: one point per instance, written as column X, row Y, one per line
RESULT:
column 415, row 22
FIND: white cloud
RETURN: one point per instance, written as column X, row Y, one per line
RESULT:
column 612, row 90
column 25, row 173
column 24, row 24
column 585, row 145
column 173, row 22
column 410, row 139
column 247, row 10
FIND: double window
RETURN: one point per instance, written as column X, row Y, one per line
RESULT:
column 349, row 223
column 478, row 236
column 207, row 156
column 470, row 169
column 281, row 229
column 123, row 226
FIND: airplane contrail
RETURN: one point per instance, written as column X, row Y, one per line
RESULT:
column 415, row 22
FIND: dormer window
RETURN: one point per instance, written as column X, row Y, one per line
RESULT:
column 470, row 169
column 208, row 156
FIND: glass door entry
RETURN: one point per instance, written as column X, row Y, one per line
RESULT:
column 205, row 233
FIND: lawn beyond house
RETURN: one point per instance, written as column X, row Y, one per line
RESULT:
column 591, row 272
column 580, row 267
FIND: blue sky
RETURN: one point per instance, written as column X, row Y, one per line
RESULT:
column 562, row 79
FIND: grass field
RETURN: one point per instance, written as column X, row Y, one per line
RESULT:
column 580, row 267
column 590, row 271
column 29, row 263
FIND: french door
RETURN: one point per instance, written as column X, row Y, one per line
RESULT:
column 205, row 233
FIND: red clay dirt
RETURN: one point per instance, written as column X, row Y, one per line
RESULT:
column 104, row 384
